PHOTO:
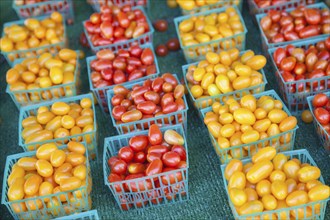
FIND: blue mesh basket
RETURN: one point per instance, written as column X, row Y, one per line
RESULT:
column 153, row 195
column 312, row 207
column 266, row 45
column 178, row 117
column 77, row 200
column 34, row 96
column 143, row 39
column 97, row 4
column 296, row 100
column 65, row 7
column 283, row 141
column 90, row 137
column 32, row 52
column 89, row 215
column 197, row 52
column 322, row 133
column 101, row 93
column 219, row 4
column 201, row 103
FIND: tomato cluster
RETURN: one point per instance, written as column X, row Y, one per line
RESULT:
column 162, row 95
column 51, row 171
column 224, row 73
column 60, row 121
column 193, row 4
column 301, row 23
column 268, row 3
column 274, row 181
column 321, row 104
column 295, row 64
column 203, row 29
column 33, row 33
column 126, row 65
column 114, row 24
column 249, row 120
column 149, row 155
column 43, row 73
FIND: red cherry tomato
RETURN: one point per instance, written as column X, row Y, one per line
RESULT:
column 147, row 56
column 322, row 115
column 155, row 167
column 173, row 177
column 155, row 136
column 138, row 143
column 312, row 15
column 279, row 55
column 181, row 151
column 161, row 149
column 118, row 111
column 320, row 100
column 112, row 160
column 288, row 64
column 115, row 178
column 171, row 159
column 153, row 156
column 135, row 168
column 139, row 185
column 119, row 167
column 126, row 154
column 146, row 107
column 140, row 157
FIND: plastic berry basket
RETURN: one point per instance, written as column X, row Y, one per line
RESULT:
column 101, row 93
column 316, row 209
column 266, row 45
column 143, row 39
column 254, row 9
column 296, row 99
column 197, row 52
column 178, row 117
column 45, row 8
column 283, row 141
column 78, row 201
column 22, row 98
column 89, row 215
column 219, row 4
column 201, row 103
column 322, row 133
column 150, row 196
column 97, row 4
column 33, row 52
column 90, row 137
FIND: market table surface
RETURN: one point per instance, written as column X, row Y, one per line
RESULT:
column 208, row 199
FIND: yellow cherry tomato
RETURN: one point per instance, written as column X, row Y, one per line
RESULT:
column 279, row 189
column 31, row 185
column 308, row 173
column 80, row 171
column 250, row 136
column 57, row 158
column 75, row 158
column 263, row 187
column 277, row 175
column 214, row 128
column 269, row 202
column 237, row 180
column 291, row 169
column 44, row 168
column 60, row 108
column 297, row 197
column 251, row 207
column 70, row 183
column 257, row 62
column 16, row 190
column 45, row 150
column 233, row 166
column 237, row 196
column 259, row 171
column 319, row 192
column 277, row 115
column 267, row 153
column 288, row 123
column 244, row 116
column 27, row 163
column 54, row 124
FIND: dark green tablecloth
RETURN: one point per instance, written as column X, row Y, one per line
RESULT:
column 207, row 194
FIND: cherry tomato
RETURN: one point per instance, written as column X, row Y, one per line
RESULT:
column 138, row 143
column 119, row 167
column 322, row 115
column 171, row 159
column 126, row 154
column 155, row 136
column 320, row 100
column 139, row 157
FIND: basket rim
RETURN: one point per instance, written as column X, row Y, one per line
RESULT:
column 47, row 2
